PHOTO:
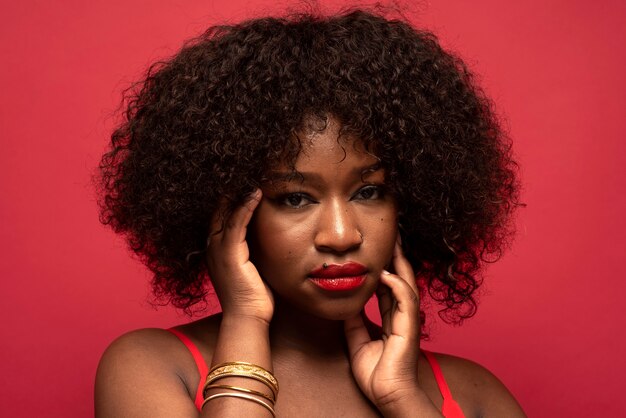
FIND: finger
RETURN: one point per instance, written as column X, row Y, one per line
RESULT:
column 357, row 335
column 216, row 225
column 405, row 320
column 402, row 266
column 385, row 307
column 236, row 226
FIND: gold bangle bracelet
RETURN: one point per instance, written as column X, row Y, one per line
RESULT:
column 244, row 375
column 238, row 389
column 243, row 369
column 240, row 396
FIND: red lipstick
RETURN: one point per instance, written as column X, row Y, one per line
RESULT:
column 339, row 277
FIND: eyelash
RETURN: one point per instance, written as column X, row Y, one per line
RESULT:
column 378, row 193
column 284, row 200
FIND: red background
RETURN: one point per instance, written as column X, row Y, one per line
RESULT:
column 548, row 322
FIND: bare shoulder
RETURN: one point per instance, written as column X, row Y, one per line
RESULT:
column 139, row 376
column 478, row 391
column 150, row 373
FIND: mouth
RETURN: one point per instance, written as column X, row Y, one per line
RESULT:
column 339, row 277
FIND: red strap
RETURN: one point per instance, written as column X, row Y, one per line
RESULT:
column 449, row 409
column 203, row 370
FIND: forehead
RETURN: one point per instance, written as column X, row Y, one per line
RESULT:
column 329, row 149
column 324, row 139
column 328, row 154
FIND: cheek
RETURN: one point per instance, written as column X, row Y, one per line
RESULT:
column 384, row 231
column 274, row 242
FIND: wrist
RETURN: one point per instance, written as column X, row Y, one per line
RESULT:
column 248, row 308
column 406, row 403
column 243, row 338
column 245, row 320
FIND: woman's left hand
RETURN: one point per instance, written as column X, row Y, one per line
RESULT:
column 386, row 369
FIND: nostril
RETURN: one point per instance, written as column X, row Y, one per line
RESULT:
column 337, row 229
column 338, row 241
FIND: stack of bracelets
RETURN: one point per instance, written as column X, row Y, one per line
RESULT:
column 242, row 369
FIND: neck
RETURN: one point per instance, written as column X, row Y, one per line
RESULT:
column 297, row 332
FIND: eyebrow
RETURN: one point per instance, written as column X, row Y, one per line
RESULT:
column 287, row 176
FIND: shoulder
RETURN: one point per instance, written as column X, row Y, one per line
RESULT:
column 203, row 333
column 139, row 375
column 478, row 391
column 139, row 349
column 149, row 372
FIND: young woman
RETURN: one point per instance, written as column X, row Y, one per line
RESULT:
column 302, row 165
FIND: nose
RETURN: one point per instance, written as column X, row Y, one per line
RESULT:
column 337, row 228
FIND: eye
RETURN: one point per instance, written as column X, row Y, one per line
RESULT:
column 295, row 200
column 370, row 192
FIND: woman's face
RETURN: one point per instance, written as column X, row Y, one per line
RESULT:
column 321, row 238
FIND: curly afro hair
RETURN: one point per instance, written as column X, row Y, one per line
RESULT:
column 205, row 126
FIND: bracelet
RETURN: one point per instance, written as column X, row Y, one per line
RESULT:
column 241, row 396
column 238, row 389
column 243, row 369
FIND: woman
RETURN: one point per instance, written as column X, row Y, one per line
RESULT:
column 303, row 165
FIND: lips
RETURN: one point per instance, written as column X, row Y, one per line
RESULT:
column 339, row 277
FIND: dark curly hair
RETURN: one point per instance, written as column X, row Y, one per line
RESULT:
column 207, row 124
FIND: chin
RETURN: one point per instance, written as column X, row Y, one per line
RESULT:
column 339, row 310
column 339, row 316
column 332, row 306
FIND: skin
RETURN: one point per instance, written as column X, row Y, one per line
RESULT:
column 328, row 214
column 328, row 358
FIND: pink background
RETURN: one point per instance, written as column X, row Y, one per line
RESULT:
column 548, row 322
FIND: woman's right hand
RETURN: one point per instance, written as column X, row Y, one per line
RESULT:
column 239, row 287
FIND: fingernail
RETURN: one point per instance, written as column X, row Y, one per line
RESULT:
column 385, row 272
